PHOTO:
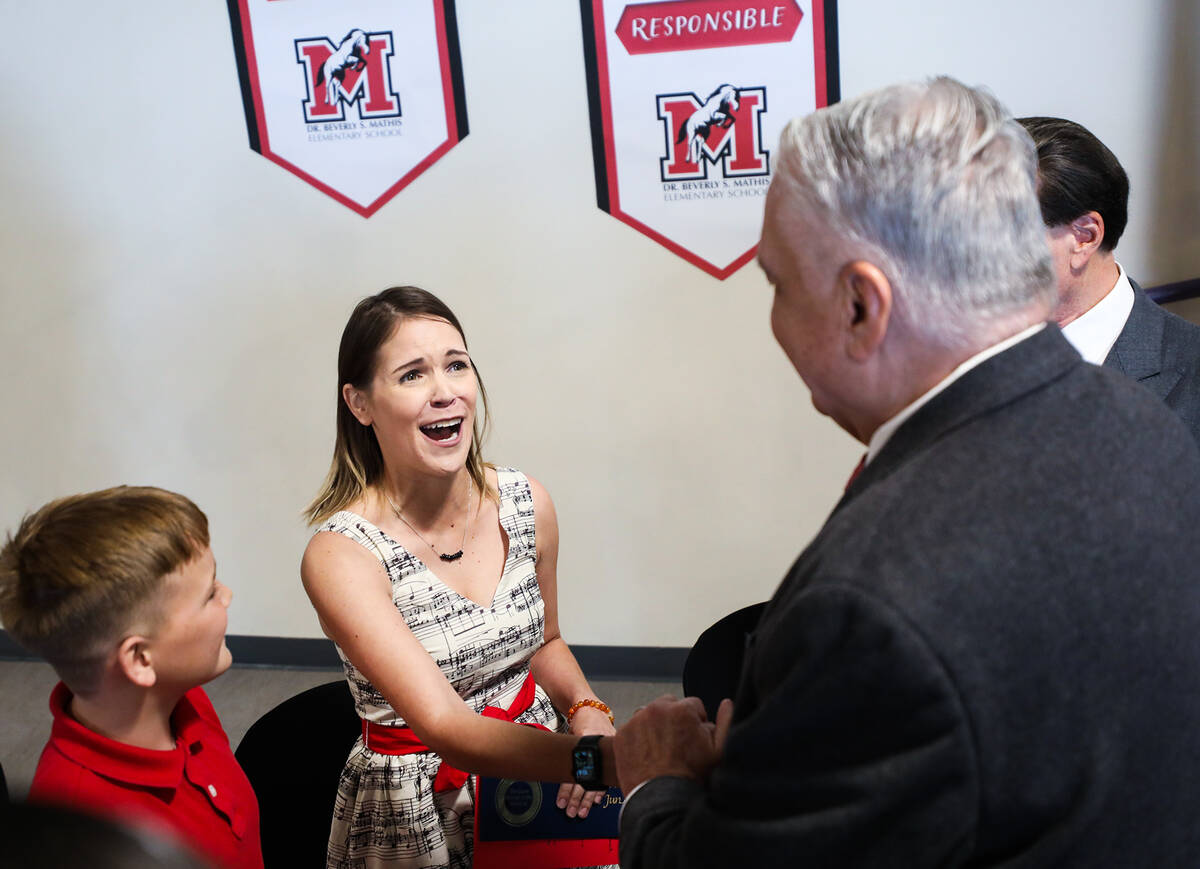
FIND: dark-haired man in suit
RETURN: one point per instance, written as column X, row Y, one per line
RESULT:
column 990, row 653
column 1084, row 192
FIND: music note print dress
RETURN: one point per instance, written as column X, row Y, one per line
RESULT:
column 387, row 813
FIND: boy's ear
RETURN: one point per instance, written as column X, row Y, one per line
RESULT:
column 136, row 662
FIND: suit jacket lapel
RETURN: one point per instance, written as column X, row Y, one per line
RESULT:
column 1138, row 350
column 1000, row 380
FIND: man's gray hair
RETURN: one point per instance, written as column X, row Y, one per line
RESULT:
column 939, row 182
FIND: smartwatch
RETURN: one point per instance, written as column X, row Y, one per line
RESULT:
column 586, row 763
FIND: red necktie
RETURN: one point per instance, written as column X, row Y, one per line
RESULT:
column 862, row 463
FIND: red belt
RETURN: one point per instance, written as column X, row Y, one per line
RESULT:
column 386, row 739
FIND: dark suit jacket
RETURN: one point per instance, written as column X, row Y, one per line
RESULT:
column 988, row 656
column 1162, row 352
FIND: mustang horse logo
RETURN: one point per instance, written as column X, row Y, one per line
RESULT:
column 718, row 110
column 355, row 71
column 351, row 54
column 723, row 128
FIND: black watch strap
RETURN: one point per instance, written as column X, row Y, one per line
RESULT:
column 586, row 765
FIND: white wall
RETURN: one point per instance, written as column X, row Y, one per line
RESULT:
column 172, row 301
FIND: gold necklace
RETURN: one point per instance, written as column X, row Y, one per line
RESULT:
column 444, row 556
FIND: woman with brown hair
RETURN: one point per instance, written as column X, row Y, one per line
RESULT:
column 435, row 575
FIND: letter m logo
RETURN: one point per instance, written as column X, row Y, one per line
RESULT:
column 354, row 71
column 726, row 127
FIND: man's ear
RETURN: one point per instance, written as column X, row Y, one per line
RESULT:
column 136, row 662
column 356, row 400
column 866, row 300
column 1087, row 233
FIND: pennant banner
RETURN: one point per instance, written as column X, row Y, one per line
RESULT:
column 688, row 98
column 357, row 97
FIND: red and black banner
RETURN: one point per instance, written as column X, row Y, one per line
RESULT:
column 357, row 97
column 687, row 98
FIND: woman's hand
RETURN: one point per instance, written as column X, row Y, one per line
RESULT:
column 572, row 797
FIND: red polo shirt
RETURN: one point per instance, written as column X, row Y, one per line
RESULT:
column 196, row 791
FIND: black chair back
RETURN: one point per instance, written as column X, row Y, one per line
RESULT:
column 293, row 756
column 714, row 664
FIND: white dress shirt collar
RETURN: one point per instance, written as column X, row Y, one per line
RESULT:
column 885, row 431
column 1094, row 332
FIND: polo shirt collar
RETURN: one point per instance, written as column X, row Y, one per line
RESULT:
column 141, row 767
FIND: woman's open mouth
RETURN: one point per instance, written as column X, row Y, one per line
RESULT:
column 443, row 430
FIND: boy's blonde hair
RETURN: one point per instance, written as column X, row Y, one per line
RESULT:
column 81, row 571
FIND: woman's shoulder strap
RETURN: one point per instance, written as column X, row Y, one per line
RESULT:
column 516, row 506
column 358, row 529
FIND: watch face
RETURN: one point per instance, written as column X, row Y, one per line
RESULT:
column 585, row 762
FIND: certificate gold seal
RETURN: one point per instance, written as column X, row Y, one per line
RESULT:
column 518, row 802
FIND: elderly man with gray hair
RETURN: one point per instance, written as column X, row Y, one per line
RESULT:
column 990, row 653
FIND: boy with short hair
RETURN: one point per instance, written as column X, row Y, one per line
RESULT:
column 117, row 590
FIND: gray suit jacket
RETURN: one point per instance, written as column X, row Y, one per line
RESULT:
column 1162, row 352
column 988, row 656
